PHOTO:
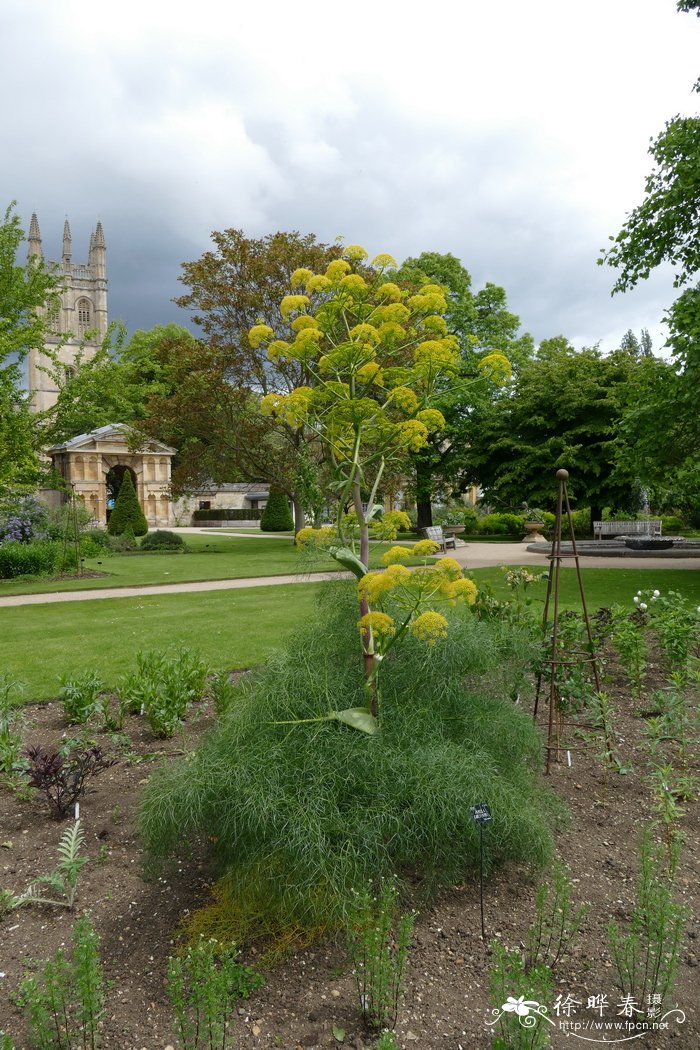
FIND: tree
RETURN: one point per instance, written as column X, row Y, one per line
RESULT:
column 666, row 226
column 213, row 414
column 564, row 411
column 127, row 513
column 661, row 425
column 483, row 326
column 663, row 429
column 276, row 516
column 115, row 384
column 28, row 300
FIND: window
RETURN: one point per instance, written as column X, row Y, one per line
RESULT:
column 205, row 504
column 84, row 313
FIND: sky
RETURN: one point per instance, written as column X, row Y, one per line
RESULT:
column 513, row 135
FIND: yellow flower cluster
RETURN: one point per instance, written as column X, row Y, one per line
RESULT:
column 496, row 367
column 304, row 321
column 259, row 334
column 424, row 548
column 432, row 418
column 366, row 333
column 404, row 398
column 378, row 622
column 390, row 292
column 318, row 283
column 336, row 270
column 372, row 586
column 370, row 373
column 384, row 260
column 413, row 434
column 396, row 554
column 318, row 537
column 355, row 252
column 429, row 627
column 300, row 277
column 293, row 304
column 437, row 354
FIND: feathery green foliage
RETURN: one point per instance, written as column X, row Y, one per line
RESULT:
column 301, row 814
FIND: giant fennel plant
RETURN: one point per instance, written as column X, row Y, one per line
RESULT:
column 374, row 358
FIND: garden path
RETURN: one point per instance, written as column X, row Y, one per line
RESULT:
column 470, row 555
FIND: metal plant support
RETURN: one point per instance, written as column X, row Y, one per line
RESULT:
column 558, row 658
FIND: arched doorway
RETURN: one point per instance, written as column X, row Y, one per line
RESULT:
column 113, row 482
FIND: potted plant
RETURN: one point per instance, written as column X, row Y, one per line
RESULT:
column 454, row 523
column 533, row 523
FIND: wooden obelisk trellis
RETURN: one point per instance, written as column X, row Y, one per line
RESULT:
column 558, row 658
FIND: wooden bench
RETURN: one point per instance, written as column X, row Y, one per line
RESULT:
column 435, row 533
column 626, row 528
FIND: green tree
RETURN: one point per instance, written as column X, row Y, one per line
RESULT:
column 564, row 411
column 213, row 413
column 276, row 516
column 483, row 325
column 127, row 513
column 115, row 384
column 663, row 429
column 665, row 227
column 28, row 301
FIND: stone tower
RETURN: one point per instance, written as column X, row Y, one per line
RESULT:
column 81, row 323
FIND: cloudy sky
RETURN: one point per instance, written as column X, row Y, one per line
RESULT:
column 512, row 134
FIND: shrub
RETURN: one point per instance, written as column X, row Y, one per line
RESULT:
column 23, row 518
column 124, row 543
column 39, row 558
column 276, row 516
column 230, row 514
column 300, row 815
column 670, row 524
column 93, row 542
column 127, row 510
column 163, row 540
column 502, row 525
column 62, row 778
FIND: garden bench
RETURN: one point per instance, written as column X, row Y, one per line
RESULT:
column 626, row 528
column 435, row 533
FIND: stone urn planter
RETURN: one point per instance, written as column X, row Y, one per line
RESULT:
column 532, row 532
column 454, row 530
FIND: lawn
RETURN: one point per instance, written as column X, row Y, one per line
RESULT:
column 602, row 586
column 232, row 629
column 210, row 558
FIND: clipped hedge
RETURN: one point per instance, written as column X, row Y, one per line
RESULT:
column 235, row 514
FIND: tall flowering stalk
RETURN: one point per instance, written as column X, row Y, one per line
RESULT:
column 375, row 358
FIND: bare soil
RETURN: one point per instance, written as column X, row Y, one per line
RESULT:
column 446, row 1005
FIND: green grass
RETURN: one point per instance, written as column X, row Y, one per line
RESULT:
column 602, row 587
column 211, row 558
column 232, row 629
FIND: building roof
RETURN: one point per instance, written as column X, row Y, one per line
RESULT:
column 118, row 432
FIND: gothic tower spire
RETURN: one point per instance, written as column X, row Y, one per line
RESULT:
column 66, row 246
column 34, row 250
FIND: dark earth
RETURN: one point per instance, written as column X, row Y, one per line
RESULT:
column 446, row 1004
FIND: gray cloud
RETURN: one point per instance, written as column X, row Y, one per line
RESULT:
column 165, row 132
